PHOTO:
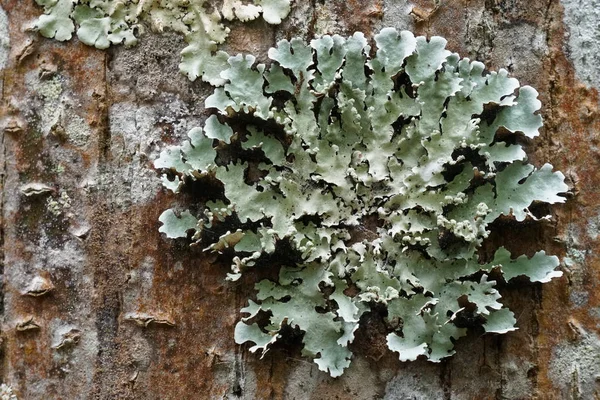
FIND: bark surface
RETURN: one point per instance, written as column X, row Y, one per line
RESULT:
column 124, row 313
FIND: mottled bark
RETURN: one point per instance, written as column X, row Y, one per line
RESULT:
column 88, row 123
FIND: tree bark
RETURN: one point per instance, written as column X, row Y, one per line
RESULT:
column 121, row 312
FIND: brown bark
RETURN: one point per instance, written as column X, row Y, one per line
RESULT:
column 109, row 265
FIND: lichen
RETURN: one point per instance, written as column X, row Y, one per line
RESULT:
column 368, row 177
column 59, row 205
column 49, row 93
column 6, row 393
column 4, row 40
column 77, row 130
column 102, row 23
column 54, row 109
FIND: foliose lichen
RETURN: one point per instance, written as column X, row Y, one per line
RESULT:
column 6, row 393
column 101, row 23
column 381, row 171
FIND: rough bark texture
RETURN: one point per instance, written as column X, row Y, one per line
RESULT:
column 88, row 123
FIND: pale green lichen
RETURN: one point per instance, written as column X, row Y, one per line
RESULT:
column 59, row 205
column 6, row 393
column 77, row 130
column 102, row 23
column 55, row 113
column 51, row 89
column 382, row 172
column 49, row 92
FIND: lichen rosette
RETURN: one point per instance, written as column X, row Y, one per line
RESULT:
column 382, row 170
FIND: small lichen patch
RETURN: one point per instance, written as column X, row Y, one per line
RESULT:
column 55, row 110
column 50, row 89
column 57, row 206
column 107, row 22
column 49, row 93
column 77, row 131
column 6, row 393
column 380, row 172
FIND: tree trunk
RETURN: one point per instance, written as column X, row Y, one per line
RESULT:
column 121, row 312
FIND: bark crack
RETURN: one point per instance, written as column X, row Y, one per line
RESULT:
column 104, row 138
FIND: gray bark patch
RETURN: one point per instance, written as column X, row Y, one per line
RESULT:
column 4, row 43
column 581, row 18
column 4, row 40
